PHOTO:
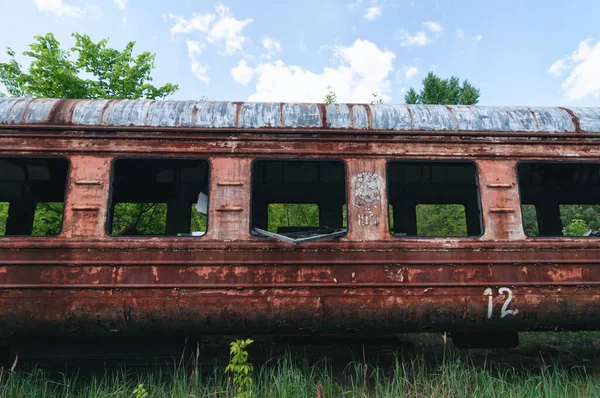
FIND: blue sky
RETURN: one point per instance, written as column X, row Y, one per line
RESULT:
column 533, row 52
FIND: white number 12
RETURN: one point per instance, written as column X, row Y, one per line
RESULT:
column 504, row 311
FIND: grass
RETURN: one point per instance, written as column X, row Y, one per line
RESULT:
column 443, row 372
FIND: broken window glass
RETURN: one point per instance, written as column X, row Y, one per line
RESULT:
column 32, row 195
column 298, row 200
column 565, row 196
column 166, row 197
column 433, row 199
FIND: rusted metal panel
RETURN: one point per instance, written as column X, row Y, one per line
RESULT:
column 239, row 115
column 173, row 113
column 215, row 115
column 588, row 119
column 367, row 196
column 87, row 197
column 88, row 113
column 301, row 116
column 391, row 117
column 347, row 116
column 255, row 115
column 431, row 117
column 498, row 189
column 229, row 199
column 12, row 109
column 472, row 118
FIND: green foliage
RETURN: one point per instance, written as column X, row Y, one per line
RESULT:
column 411, row 96
column 530, row 221
column 428, row 369
column 241, row 368
column 577, row 227
column 589, row 214
column 144, row 218
column 47, row 220
column 440, row 91
column 3, row 217
column 87, row 70
column 441, row 220
column 292, row 215
column 576, row 219
column 140, row 391
column 330, row 97
column 198, row 220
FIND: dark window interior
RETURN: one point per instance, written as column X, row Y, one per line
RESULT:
column 298, row 196
column 560, row 199
column 159, row 197
column 32, row 194
column 434, row 199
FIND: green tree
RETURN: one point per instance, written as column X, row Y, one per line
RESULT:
column 577, row 227
column 88, row 70
column 438, row 91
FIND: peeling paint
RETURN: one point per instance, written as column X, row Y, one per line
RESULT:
column 374, row 117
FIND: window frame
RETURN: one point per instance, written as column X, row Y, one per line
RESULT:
column 520, row 203
column 482, row 219
column 142, row 237
column 284, row 159
column 65, row 197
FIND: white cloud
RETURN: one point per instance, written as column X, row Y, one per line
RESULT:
column 227, row 29
column 198, row 22
column 411, row 72
column 355, row 4
column 62, row 9
column 198, row 70
column 121, row 4
column 478, row 37
column 372, row 13
column 584, row 67
column 220, row 29
column 271, row 45
column 412, row 4
column 362, row 69
column 435, row 27
column 419, row 39
column 242, row 74
column 460, row 33
column 559, row 66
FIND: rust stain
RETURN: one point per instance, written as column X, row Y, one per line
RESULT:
column 575, row 119
column 230, row 280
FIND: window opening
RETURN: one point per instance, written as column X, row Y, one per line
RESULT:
column 530, row 221
column 433, row 199
column 441, row 220
column 565, row 196
column 3, row 217
column 298, row 200
column 47, row 219
column 165, row 197
column 32, row 195
column 292, row 217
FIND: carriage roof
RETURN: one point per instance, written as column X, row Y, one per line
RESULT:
column 210, row 115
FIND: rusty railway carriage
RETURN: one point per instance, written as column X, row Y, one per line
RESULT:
column 363, row 269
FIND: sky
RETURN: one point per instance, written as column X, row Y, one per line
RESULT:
column 517, row 52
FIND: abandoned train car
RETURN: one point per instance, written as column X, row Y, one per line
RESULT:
column 158, row 217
